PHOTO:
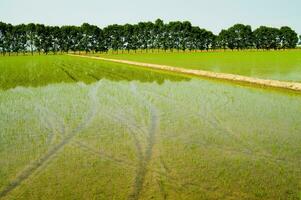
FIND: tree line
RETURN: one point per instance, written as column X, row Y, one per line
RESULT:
column 146, row 36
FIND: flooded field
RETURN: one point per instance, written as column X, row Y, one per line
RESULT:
column 276, row 65
column 100, row 130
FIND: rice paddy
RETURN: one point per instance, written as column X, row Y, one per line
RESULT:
column 76, row 128
column 276, row 65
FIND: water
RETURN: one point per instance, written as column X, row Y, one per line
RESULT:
column 186, row 139
column 277, row 65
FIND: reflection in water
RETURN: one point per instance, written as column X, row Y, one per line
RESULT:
column 44, row 70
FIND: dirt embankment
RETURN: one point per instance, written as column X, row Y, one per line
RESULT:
column 230, row 77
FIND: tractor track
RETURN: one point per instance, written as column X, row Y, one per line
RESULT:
column 108, row 74
column 24, row 175
column 217, row 123
column 123, row 161
column 144, row 161
column 68, row 74
column 102, row 154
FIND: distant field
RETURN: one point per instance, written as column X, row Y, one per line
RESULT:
column 77, row 128
column 278, row 65
column 43, row 70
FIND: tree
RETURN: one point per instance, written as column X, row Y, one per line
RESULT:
column 19, row 39
column 144, row 35
column 222, row 39
column 55, row 40
column 2, row 37
column 158, row 33
column 239, row 37
column 267, row 38
column 101, row 45
column 31, row 34
column 39, row 39
column 193, row 38
column 113, row 34
column 89, row 37
column 8, row 39
column 209, row 40
column 69, row 40
column 128, row 37
column 184, row 35
column 289, row 38
column 47, row 39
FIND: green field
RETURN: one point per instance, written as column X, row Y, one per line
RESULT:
column 278, row 65
column 77, row 128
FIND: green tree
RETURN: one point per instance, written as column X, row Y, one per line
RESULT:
column 39, row 39
column 144, row 35
column 55, row 39
column 289, row 38
column 8, row 39
column 69, row 40
column 89, row 37
column 114, row 37
column 101, row 45
column 240, row 36
column 184, row 35
column 267, row 38
column 128, row 37
column 158, row 33
column 2, row 37
column 31, row 34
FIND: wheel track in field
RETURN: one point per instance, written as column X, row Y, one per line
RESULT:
column 145, row 160
column 160, row 181
column 102, row 154
column 39, row 163
column 123, row 161
column 109, row 75
column 173, row 181
column 50, row 119
column 132, row 126
column 134, row 129
column 68, row 74
column 24, row 175
column 216, row 122
column 247, row 151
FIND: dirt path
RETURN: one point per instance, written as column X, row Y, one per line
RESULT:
column 224, row 76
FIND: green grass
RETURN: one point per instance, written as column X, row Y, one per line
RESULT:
column 278, row 65
column 146, row 135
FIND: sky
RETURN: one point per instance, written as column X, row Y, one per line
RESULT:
column 213, row 15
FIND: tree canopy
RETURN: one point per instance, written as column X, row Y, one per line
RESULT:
column 142, row 36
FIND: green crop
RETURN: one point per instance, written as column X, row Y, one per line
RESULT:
column 140, row 134
column 278, row 65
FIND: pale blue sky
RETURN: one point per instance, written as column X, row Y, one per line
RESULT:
column 210, row 14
